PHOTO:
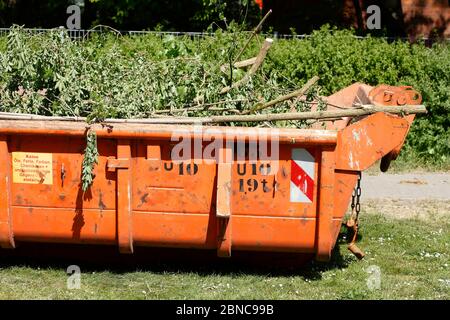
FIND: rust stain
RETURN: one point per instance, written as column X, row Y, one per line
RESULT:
column 283, row 172
column 45, row 189
column 274, row 187
column 143, row 199
column 19, row 199
column 75, row 182
column 304, row 216
column 101, row 204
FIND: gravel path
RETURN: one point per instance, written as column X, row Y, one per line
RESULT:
column 409, row 186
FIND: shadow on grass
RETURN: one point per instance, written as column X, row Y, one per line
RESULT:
column 165, row 260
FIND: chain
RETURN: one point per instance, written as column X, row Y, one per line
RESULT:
column 352, row 223
column 356, row 195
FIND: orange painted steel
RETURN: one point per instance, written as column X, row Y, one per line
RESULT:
column 224, row 201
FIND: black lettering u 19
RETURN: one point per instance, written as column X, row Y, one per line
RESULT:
column 250, row 185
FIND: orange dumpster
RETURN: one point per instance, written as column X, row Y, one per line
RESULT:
column 189, row 186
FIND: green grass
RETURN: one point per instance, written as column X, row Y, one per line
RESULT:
column 413, row 257
column 412, row 162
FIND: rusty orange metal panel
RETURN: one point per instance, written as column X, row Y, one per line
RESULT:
column 260, row 187
column 363, row 143
column 65, row 191
column 166, row 185
column 170, row 229
column 47, row 224
column 160, row 131
column 277, row 234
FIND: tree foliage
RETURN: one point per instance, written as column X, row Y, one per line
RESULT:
column 188, row 15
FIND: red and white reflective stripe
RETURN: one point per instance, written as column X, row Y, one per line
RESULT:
column 302, row 176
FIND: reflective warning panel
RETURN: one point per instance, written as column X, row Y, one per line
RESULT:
column 302, row 176
column 32, row 167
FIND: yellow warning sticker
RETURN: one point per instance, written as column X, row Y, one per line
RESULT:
column 32, row 167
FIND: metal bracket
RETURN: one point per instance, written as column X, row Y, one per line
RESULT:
column 326, row 206
column 124, row 219
column 223, row 203
column 113, row 164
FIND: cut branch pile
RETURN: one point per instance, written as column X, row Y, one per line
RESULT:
column 167, row 81
column 358, row 111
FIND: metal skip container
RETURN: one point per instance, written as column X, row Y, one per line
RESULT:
column 200, row 187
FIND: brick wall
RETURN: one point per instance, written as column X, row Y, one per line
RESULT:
column 412, row 18
column 426, row 17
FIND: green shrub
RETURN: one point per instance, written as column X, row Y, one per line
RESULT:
column 340, row 59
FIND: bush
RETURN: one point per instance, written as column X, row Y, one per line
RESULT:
column 340, row 59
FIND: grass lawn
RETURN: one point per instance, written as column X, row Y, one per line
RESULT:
column 407, row 163
column 411, row 256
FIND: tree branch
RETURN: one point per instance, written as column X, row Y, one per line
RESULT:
column 258, row 62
